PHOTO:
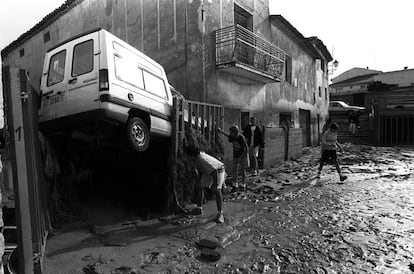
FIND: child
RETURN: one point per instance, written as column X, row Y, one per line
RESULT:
column 329, row 148
column 240, row 154
column 213, row 176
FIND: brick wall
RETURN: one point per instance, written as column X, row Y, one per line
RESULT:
column 274, row 151
column 275, row 144
column 295, row 143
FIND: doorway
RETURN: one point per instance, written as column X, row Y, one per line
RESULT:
column 304, row 123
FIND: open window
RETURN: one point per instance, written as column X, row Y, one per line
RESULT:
column 243, row 18
column 285, row 119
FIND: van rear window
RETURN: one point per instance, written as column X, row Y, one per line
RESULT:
column 82, row 58
column 56, row 72
column 128, row 71
column 155, row 85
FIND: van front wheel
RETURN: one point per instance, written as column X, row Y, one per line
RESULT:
column 138, row 134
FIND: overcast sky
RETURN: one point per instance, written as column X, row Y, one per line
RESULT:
column 18, row 16
column 358, row 33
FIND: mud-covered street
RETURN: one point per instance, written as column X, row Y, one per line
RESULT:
column 286, row 222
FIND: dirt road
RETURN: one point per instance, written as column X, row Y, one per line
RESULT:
column 287, row 222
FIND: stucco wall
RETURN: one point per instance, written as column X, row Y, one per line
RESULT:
column 273, row 98
column 275, row 146
column 172, row 32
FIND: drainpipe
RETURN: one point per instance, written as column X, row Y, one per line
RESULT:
column 186, row 48
column 203, row 61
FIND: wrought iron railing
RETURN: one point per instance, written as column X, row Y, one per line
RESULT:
column 237, row 44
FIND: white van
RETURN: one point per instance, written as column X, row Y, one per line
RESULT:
column 98, row 77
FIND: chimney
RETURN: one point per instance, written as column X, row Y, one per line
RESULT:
column 367, row 67
column 405, row 68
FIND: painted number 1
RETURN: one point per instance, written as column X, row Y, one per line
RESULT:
column 19, row 133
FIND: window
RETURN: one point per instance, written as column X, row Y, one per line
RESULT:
column 243, row 18
column 82, row 58
column 46, row 37
column 285, row 119
column 130, row 55
column 326, row 94
column 320, row 91
column 128, row 72
column 21, row 53
column 245, row 118
column 322, row 65
column 154, row 85
column 56, row 71
column 288, row 69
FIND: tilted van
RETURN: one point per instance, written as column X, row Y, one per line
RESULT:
column 99, row 77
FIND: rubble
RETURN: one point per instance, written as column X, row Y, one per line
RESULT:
column 283, row 223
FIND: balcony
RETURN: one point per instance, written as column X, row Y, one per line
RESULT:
column 243, row 53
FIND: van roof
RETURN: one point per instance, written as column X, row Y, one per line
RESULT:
column 74, row 37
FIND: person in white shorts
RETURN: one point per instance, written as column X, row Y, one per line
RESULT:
column 213, row 176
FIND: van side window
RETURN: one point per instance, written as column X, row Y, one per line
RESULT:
column 155, row 85
column 82, row 58
column 128, row 72
column 56, row 71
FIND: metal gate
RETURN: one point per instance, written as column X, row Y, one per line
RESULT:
column 396, row 130
column 203, row 117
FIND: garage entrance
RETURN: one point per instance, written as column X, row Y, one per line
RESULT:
column 304, row 123
column 396, row 130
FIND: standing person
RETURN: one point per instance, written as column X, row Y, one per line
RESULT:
column 357, row 120
column 329, row 148
column 240, row 154
column 254, row 139
column 352, row 118
column 212, row 176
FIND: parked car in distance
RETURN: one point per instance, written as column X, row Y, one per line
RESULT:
column 97, row 77
column 344, row 108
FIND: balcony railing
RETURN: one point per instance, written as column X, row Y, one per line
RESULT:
column 236, row 44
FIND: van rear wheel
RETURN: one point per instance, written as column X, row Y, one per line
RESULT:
column 138, row 134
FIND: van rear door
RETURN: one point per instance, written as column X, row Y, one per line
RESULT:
column 54, row 80
column 82, row 94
